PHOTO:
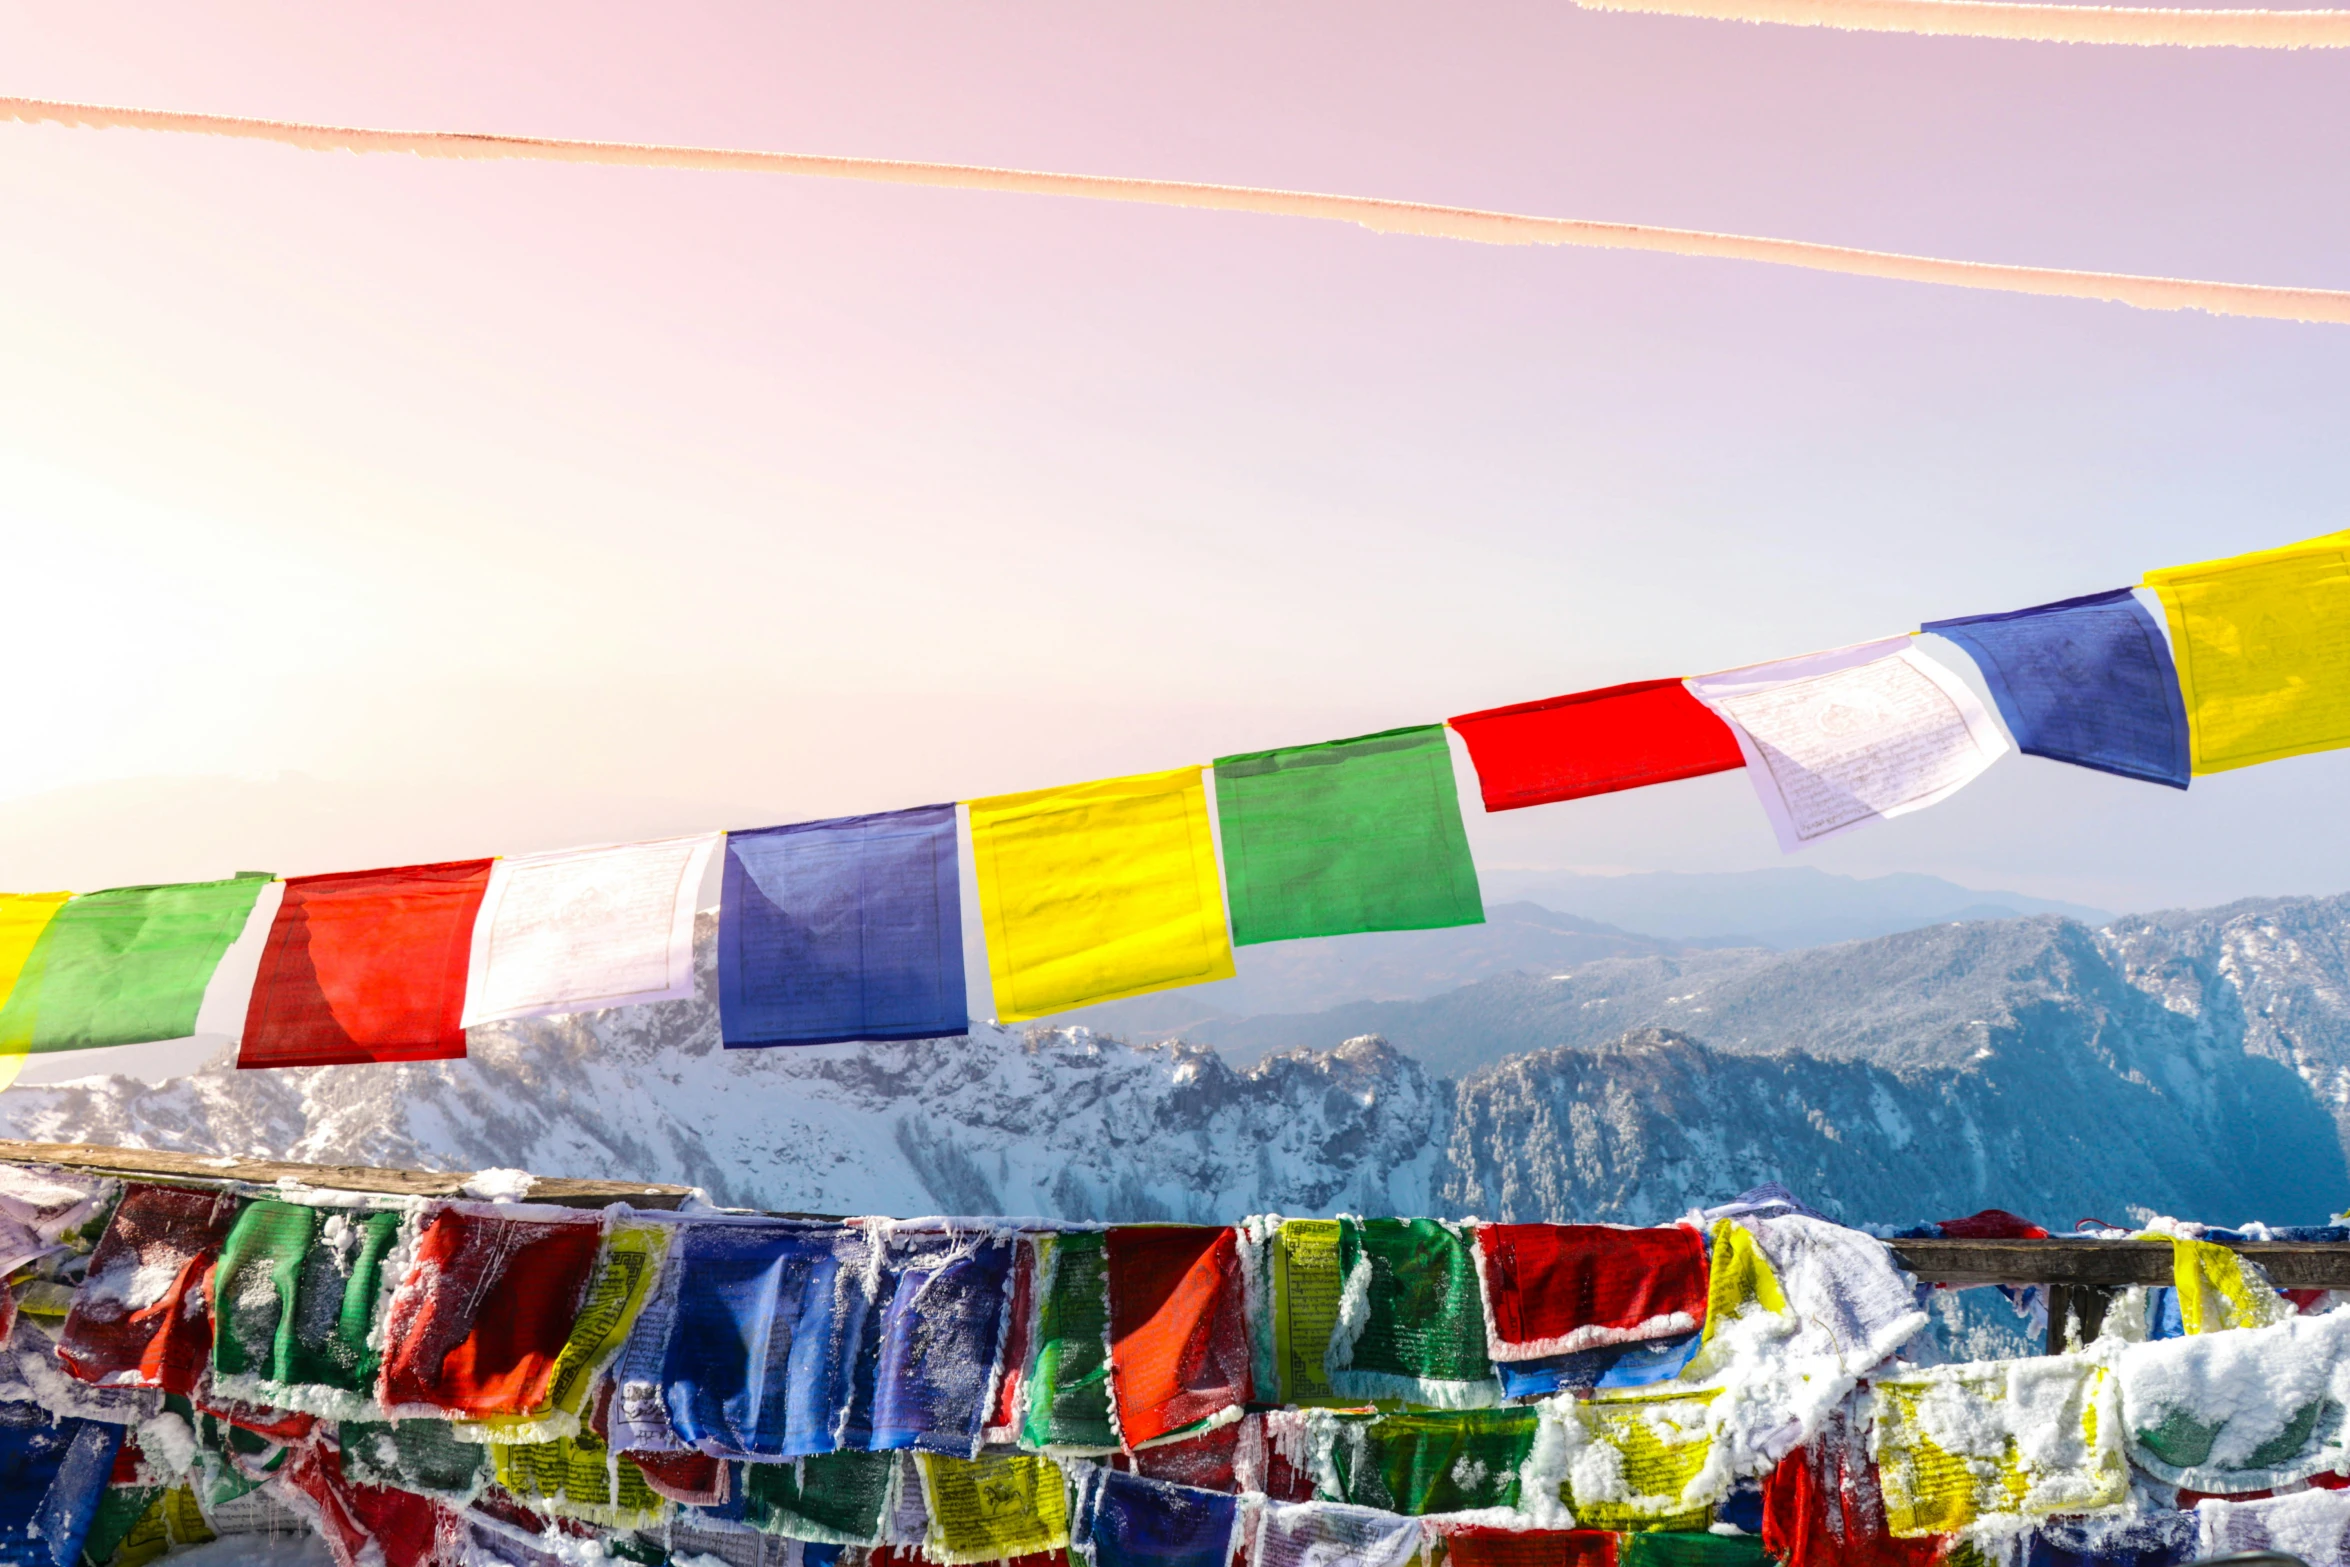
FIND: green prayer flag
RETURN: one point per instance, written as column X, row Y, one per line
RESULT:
column 125, row 966
column 1351, row 835
column 120, row 1507
column 1069, row 1364
column 1662, row 1549
column 830, row 1498
column 1411, row 1315
column 293, row 1297
column 1441, row 1462
column 414, row 1455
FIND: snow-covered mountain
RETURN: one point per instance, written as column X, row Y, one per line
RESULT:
column 2192, row 1064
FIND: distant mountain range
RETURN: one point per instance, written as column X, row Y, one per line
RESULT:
column 2194, row 1063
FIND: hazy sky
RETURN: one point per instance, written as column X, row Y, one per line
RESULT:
column 362, row 510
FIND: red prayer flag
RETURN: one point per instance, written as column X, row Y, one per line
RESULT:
column 475, row 1326
column 1178, row 1327
column 144, row 1316
column 1595, row 742
column 1822, row 1506
column 1530, row 1547
column 1992, row 1224
column 366, row 966
column 1554, row 1289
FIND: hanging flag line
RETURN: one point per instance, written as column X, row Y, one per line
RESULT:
column 852, row 929
column 1378, row 214
column 2048, row 24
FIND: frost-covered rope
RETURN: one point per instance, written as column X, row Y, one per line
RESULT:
column 1374, row 213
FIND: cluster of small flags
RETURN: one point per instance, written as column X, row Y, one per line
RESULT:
column 851, row 929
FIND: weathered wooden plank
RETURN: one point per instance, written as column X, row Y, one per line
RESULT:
column 154, row 1164
column 2107, row 1264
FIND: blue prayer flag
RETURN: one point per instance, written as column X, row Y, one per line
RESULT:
column 843, row 929
column 53, row 1472
column 2088, row 681
column 1124, row 1520
column 941, row 1337
column 768, row 1320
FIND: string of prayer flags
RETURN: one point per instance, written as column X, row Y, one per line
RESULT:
column 475, row 1328
column 2084, row 680
column 1412, row 1318
column 142, row 1319
column 843, row 929
column 293, row 1300
column 1555, row 1289
column 124, row 967
column 992, row 1509
column 1836, row 740
column 367, row 966
column 768, row 1319
column 1595, row 742
column 2262, row 644
column 1125, row 1520
column 1344, row 837
column 1069, row 1408
column 1178, row 1321
column 1096, row 891
column 583, row 929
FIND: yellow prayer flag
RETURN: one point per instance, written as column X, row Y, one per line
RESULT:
column 1307, row 1287
column 2262, row 643
column 1099, row 890
column 2217, row 1288
column 23, row 916
column 992, row 1509
column 1740, row 1276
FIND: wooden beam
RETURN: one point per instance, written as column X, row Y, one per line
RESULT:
column 2291, row 1265
column 184, row 1168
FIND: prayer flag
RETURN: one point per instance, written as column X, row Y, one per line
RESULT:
column 1179, row 1354
column 843, row 929
column 942, row 1338
column 1099, row 890
column 1836, row 740
column 769, row 1319
column 2233, row 1412
column 577, row 1477
column 1822, row 1507
column 830, row 1498
column 1332, row 1534
column 1306, row 1285
column 585, row 929
column 293, row 1299
column 1010, row 1403
column 1673, row 1548
column 2084, row 680
column 367, row 966
column 123, row 967
column 1654, row 1473
column 627, row 1266
column 476, row 1327
column 2262, row 643
column 1069, row 1370
column 1595, row 742
column 1124, row 1520
column 1346, row 836
column 1412, row 1321
column 23, row 916
column 2033, row 1437
column 142, row 1318
column 52, row 1477
column 992, row 1509
column 1448, row 1461
column 1554, row 1289
column 1530, row 1548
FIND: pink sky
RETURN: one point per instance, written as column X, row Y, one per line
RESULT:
column 517, row 505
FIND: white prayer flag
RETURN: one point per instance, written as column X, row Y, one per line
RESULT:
column 1836, row 740
column 1332, row 1534
column 587, row 928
